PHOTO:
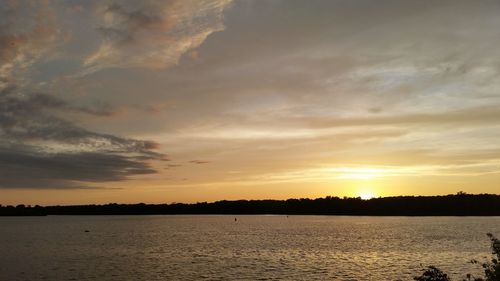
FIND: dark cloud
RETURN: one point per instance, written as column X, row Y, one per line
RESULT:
column 130, row 22
column 40, row 101
column 199, row 162
column 27, row 167
column 38, row 149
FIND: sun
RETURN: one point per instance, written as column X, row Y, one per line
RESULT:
column 366, row 196
column 367, row 193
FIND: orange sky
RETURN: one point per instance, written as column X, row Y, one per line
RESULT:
column 186, row 101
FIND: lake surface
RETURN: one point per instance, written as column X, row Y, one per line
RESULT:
column 252, row 248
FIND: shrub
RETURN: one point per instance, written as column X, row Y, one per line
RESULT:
column 432, row 274
column 491, row 268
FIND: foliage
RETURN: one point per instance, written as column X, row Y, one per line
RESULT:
column 491, row 268
column 460, row 204
column 432, row 274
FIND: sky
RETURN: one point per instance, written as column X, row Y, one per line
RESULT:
column 188, row 101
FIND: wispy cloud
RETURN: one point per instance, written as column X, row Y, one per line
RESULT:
column 27, row 31
column 199, row 162
column 153, row 34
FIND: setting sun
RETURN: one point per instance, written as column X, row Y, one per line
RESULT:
column 367, row 195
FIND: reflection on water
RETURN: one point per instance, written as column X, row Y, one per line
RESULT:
column 249, row 248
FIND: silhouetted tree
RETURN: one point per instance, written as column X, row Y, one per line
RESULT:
column 460, row 204
column 432, row 274
column 491, row 269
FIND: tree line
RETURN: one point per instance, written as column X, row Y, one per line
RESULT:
column 460, row 204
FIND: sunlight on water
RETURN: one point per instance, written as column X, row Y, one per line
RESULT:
column 59, row 248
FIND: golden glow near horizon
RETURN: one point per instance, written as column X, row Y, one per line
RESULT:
column 367, row 195
column 219, row 99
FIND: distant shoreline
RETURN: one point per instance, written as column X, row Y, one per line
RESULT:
column 459, row 205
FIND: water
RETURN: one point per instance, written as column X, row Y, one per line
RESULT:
column 252, row 248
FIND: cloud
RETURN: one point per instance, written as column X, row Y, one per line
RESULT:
column 153, row 34
column 472, row 115
column 38, row 101
column 27, row 31
column 39, row 148
column 27, row 167
column 174, row 165
column 287, row 85
column 199, row 162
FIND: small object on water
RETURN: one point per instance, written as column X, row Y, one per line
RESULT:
column 86, row 230
column 235, row 219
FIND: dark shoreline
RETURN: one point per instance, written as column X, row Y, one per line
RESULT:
column 460, row 204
